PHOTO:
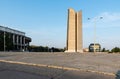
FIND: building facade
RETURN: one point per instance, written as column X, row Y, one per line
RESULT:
column 94, row 47
column 74, row 31
column 13, row 40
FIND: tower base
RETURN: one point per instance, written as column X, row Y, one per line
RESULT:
column 73, row 51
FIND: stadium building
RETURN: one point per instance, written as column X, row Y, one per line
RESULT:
column 13, row 40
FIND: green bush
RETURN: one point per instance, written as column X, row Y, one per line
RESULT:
column 116, row 50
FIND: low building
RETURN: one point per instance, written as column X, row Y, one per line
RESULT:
column 85, row 50
column 13, row 40
column 95, row 47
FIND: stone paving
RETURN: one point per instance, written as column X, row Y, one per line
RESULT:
column 98, row 62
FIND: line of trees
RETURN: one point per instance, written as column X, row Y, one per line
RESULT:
column 114, row 50
column 33, row 48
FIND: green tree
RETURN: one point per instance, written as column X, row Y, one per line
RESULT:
column 33, row 48
column 103, row 50
column 116, row 50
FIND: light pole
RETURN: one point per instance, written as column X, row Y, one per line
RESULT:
column 94, row 36
column 95, row 20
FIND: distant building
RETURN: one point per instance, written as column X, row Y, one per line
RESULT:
column 13, row 40
column 85, row 50
column 95, row 46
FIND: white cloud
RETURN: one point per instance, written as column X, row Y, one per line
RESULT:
column 108, row 20
column 110, row 17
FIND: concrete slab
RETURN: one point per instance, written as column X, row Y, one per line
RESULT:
column 96, row 62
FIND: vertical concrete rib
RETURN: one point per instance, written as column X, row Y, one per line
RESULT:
column 17, row 44
column 20, row 42
column 76, row 29
column 71, row 31
column 79, row 31
column 13, row 39
column 67, row 31
column 24, row 43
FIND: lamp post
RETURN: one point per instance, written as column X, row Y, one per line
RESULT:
column 95, row 37
column 95, row 20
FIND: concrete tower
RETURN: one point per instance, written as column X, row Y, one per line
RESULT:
column 74, row 31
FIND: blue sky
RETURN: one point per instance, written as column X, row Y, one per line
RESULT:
column 45, row 21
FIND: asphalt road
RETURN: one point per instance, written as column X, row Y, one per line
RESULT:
column 9, row 74
column 16, row 71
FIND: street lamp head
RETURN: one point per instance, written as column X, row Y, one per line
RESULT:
column 88, row 18
column 101, row 17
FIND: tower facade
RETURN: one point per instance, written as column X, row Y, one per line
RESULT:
column 74, row 31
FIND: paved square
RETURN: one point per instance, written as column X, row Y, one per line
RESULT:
column 100, row 62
